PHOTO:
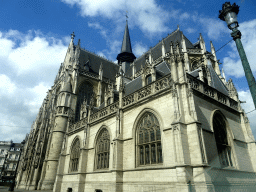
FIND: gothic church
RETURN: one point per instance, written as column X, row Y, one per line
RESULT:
column 166, row 121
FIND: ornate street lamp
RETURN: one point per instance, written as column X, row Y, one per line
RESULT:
column 229, row 14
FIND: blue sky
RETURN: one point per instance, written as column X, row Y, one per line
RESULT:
column 34, row 36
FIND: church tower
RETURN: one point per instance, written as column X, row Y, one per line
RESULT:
column 63, row 112
column 126, row 57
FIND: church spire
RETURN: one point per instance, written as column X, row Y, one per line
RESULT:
column 126, row 45
column 126, row 56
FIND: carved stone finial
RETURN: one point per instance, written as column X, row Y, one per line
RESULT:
column 73, row 35
column 177, row 47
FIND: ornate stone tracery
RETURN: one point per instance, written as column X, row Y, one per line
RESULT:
column 149, row 140
column 102, row 150
column 74, row 157
column 222, row 141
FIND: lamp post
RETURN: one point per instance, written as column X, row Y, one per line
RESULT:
column 229, row 14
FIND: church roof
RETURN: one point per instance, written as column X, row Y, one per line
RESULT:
column 94, row 61
column 217, row 82
column 161, row 70
column 156, row 51
column 133, row 86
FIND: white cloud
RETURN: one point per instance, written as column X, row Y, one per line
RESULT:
column 191, row 30
column 139, row 49
column 184, row 16
column 35, row 54
column 145, row 14
column 100, row 53
column 29, row 63
column 36, row 96
column 6, row 86
column 232, row 64
column 19, row 109
column 103, row 31
column 214, row 27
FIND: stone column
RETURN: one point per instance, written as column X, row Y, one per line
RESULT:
column 58, row 133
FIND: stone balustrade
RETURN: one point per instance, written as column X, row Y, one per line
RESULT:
column 110, row 109
column 194, row 51
column 200, row 86
column 77, row 125
column 151, row 89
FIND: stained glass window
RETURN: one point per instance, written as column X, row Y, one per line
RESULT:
column 74, row 157
column 149, row 140
column 102, row 150
column 221, row 138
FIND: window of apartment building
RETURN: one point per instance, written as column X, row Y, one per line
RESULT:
column 222, row 141
column 75, row 154
column 102, row 150
column 149, row 148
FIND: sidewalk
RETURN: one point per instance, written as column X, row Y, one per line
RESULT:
column 5, row 189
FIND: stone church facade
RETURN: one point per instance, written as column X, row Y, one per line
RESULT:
column 166, row 121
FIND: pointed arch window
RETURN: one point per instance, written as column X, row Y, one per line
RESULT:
column 149, row 147
column 85, row 92
column 74, row 157
column 102, row 150
column 222, row 141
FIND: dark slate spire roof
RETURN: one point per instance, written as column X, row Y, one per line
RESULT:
column 156, row 51
column 126, row 54
column 216, row 81
column 94, row 61
column 126, row 45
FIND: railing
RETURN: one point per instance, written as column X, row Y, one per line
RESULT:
column 144, row 92
column 110, row 109
column 77, row 125
column 211, row 92
column 128, row 99
column 158, row 60
column 151, row 89
column 194, row 51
